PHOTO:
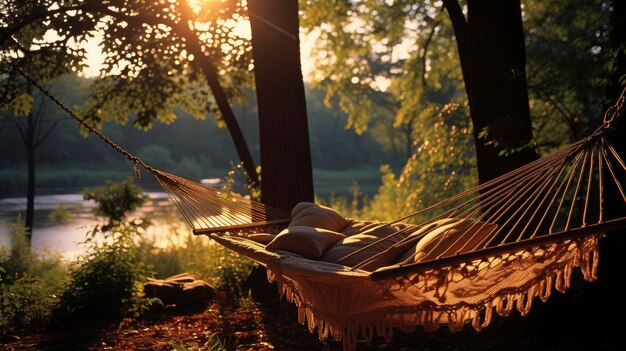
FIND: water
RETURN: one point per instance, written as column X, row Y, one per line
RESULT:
column 65, row 237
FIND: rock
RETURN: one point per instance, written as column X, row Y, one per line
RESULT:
column 182, row 290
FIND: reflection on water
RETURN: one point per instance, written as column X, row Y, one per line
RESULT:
column 65, row 237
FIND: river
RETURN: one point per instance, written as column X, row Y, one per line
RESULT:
column 64, row 237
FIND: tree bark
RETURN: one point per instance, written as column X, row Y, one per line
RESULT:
column 30, row 190
column 611, row 284
column 493, row 61
column 284, row 136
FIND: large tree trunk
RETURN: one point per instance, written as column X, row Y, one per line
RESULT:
column 284, row 135
column 493, row 61
column 611, row 284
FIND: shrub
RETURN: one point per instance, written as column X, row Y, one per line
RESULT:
column 62, row 213
column 29, row 284
column 24, row 304
column 106, row 283
column 19, row 258
column 115, row 200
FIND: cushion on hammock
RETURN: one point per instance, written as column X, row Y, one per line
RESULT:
column 313, row 215
column 261, row 238
column 356, row 226
column 458, row 236
column 351, row 244
column 306, row 241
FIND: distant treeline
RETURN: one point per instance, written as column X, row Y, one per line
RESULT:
column 189, row 147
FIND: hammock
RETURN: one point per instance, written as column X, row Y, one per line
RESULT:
column 493, row 247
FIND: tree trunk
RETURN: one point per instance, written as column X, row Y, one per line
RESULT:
column 210, row 74
column 221, row 99
column 493, row 61
column 284, row 136
column 499, row 95
column 611, row 284
column 29, row 142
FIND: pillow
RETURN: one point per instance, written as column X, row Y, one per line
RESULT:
column 312, row 215
column 261, row 238
column 459, row 236
column 359, row 241
column 409, row 246
column 356, row 226
column 308, row 242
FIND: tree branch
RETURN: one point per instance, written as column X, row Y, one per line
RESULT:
column 40, row 14
column 459, row 24
column 425, row 50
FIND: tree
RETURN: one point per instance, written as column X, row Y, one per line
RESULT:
column 368, row 39
column 612, row 266
column 45, row 62
column 33, row 133
column 158, row 54
column 285, row 147
column 493, row 61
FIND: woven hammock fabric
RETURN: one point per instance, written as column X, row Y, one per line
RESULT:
column 343, row 302
column 529, row 229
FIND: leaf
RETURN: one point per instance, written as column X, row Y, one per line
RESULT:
column 22, row 104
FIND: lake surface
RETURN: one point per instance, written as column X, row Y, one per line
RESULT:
column 65, row 237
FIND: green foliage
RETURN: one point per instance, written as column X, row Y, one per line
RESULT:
column 29, row 284
column 189, row 168
column 160, row 69
column 20, row 257
column 106, row 283
column 236, row 176
column 157, row 156
column 566, row 63
column 24, row 304
column 115, row 200
column 62, row 213
column 441, row 167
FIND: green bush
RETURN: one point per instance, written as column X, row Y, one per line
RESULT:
column 29, row 284
column 115, row 200
column 62, row 213
column 26, row 303
column 106, row 283
column 17, row 261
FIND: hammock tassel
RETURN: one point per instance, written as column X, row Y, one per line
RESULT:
column 525, row 301
column 546, row 288
column 456, row 319
column 476, row 323
column 504, row 305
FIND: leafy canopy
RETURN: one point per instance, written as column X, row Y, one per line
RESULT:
column 148, row 68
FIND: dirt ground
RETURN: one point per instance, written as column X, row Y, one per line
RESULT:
column 273, row 326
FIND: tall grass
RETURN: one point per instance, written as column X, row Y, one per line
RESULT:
column 29, row 284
